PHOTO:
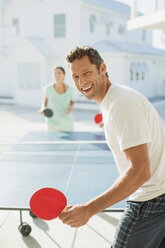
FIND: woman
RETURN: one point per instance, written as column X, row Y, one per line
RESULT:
column 59, row 98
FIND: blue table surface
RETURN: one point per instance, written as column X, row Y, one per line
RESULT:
column 80, row 170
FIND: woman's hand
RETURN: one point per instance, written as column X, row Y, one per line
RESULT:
column 40, row 111
column 101, row 124
column 69, row 110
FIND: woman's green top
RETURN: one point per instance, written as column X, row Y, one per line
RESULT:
column 59, row 103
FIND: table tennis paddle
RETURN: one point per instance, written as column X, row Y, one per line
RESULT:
column 48, row 112
column 48, row 203
column 98, row 118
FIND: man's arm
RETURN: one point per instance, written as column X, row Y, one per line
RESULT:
column 135, row 176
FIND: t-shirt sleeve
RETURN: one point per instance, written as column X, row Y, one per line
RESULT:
column 130, row 124
column 46, row 91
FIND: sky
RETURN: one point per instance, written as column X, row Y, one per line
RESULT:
column 145, row 6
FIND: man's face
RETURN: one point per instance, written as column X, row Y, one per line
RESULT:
column 87, row 78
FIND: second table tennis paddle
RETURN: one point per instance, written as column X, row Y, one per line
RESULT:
column 48, row 203
column 98, row 118
column 48, row 112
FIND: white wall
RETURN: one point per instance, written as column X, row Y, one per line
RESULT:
column 118, row 68
column 116, row 65
column 6, row 78
column 161, row 78
column 102, row 17
column 159, row 39
column 28, row 54
column 147, row 86
column 36, row 20
column 135, row 36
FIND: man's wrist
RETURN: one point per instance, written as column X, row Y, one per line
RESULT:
column 91, row 209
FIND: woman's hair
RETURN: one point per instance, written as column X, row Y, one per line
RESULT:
column 61, row 68
column 80, row 51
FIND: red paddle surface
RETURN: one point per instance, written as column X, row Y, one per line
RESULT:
column 98, row 118
column 47, row 203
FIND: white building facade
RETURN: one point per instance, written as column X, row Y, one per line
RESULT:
column 36, row 35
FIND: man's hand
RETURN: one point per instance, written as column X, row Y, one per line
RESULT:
column 75, row 216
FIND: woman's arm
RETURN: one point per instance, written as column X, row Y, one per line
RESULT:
column 69, row 110
column 44, row 105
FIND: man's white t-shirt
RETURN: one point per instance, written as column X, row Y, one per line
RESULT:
column 130, row 120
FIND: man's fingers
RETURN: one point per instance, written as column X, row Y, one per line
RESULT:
column 75, row 216
column 67, row 221
column 70, row 222
column 68, row 207
column 65, row 214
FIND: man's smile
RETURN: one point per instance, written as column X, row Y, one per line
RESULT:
column 86, row 89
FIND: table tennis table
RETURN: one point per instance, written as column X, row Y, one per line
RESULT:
column 79, row 164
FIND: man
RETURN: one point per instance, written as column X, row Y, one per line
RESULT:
column 136, row 137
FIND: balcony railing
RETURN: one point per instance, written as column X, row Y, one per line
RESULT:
column 153, row 18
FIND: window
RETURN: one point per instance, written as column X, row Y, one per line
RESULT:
column 143, row 75
column 137, row 75
column 109, row 25
column 15, row 26
column 29, row 76
column 60, row 25
column 131, row 74
column 143, row 70
column 108, row 28
column 144, row 35
column 138, row 71
column 121, row 29
column 132, row 71
column 92, row 22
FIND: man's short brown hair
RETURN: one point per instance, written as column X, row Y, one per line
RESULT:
column 80, row 51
